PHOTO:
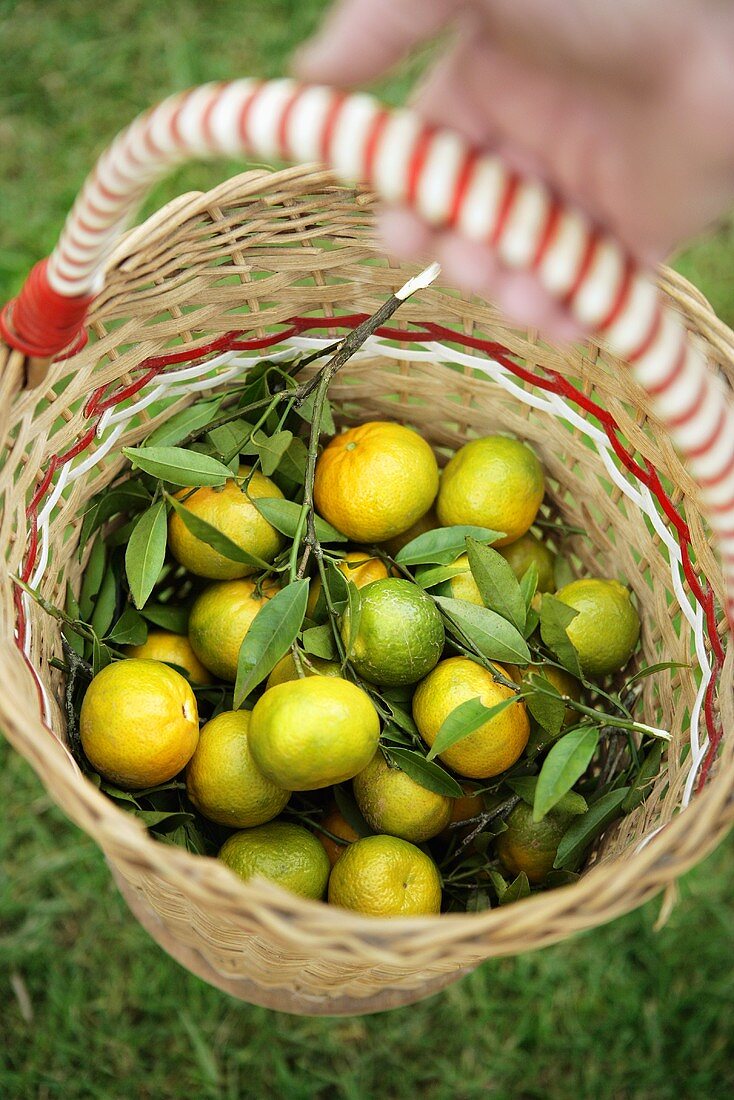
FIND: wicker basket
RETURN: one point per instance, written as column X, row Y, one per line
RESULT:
column 266, row 263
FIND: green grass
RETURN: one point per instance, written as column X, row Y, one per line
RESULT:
column 91, row 1007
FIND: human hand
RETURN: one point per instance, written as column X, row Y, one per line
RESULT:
column 625, row 109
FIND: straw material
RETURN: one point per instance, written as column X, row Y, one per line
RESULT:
column 254, row 252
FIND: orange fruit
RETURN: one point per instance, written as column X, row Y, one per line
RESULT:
column 172, row 649
column 287, row 854
column 494, row 746
column 374, row 481
column 139, row 723
column 383, row 876
column 607, row 627
column 220, row 617
column 231, row 511
column 521, row 553
column 427, row 522
column 531, row 846
column 392, row 802
column 335, row 823
column 312, row 666
column 494, row 482
column 358, row 567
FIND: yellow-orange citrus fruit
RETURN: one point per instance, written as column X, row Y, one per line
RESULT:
column 462, row 586
column 220, row 617
column 495, row 745
column 400, row 633
column 224, row 782
column 173, row 649
column 357, row 567
column 312, row 732
column 312, row 666
column 280, row 851
column 520, row 555
column 384, row 876
column 607, row 627
column 494, row 482
column 374, row 481
column 468, row 806
column 139, row 724
column 231, row 511
column 334, row 822
column 392, row 802
column 531, row 846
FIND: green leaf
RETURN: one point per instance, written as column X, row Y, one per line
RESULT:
column 284, row 516
column 531, row 621
column 153, row 818
column 646, row 776
column 183, row 423
column 555, row 616
column 305, row 411
column 101, row 656
column 271, row 634
column 463, row 720
column 270, row 449
column 104, row 605
column 213, row 537
column 175, row 619
column 130, row 496
column 562, row 572
column 92, row 579
column 228, row 439
column 319, row 641
column 528, row 587
column 293, row 462
column 146, row 552
column 652, row 670
column 493, row 636
column 498, row 882
column 584, row 831
column 563, row 766
column 444, row 545
column 519, row 888
column 402, row 718
column 497, row 584
column 338, row 587
column 432, row 575
column 546, row 706
column 178, row 465
column 525, row 786
column 425, row 772
column 130, row 629
column 352, row 615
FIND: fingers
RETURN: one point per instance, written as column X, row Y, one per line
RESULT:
column 474, row 269
column 360, row 39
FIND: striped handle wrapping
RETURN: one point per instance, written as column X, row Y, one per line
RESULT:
column 451, row 185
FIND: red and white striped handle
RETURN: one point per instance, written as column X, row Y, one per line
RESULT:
column 449, row 184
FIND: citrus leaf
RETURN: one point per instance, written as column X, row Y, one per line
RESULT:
column 651, row 670
column 493, row 636
column 293, row 463
column 183, row 423
column 271, row 634
column 525, row 786
column 519, row 888
column 305, row 411
column 403, row 719
column 352, row 615
column 646, row 776
column 178, row 465
column 319, row 641
column 337, row 585
column 498, row 882
column 131, row 496
column 463, row 720
column 270, row 449
column 92, row 579
column 145, row 552
column 444, row 545
column 584, row 831
column 497, row 584
column 546, row 706
column 175, row 619
column 425, row 772
column 213, row 537
column 528, row 587
column 101, row 656
column 555, row 616
column 433, row 575
column 284, row 515
column 227, row 439
column 565, row 763
column 104, row 605
column 130, row 629
column 531, row 621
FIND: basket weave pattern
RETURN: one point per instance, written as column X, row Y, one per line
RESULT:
column 247, row 258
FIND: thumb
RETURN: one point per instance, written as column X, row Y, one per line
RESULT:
column 361, row 39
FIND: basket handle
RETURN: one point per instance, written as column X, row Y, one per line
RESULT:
column 450, row 185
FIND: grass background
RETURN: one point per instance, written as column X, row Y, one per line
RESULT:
column 91, row 1008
